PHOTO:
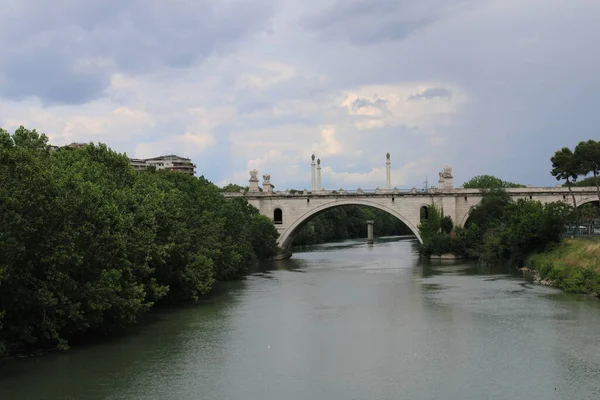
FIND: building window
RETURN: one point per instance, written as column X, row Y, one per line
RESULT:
column 278, row 216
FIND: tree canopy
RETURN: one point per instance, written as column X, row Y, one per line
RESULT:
column 569, row 165
column 88, row 244
column 489, row 182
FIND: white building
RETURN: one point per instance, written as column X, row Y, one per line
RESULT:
column 170, row 162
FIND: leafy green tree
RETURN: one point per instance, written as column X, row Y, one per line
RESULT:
column 527, row 227
column 490, row 210
column 566, row 167
column 587, row 155
column 431, row 226
column 233, row 188
column 588, row 213
column 446, row 224
column 586, row 182
column 88, row 244
column 489, row 182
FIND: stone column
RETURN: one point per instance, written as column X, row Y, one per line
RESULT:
column 312, row 174
column 370, row 238
column 388, row 167
column 318, row 174
column 253, row 181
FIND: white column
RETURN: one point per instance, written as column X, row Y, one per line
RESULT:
column 370, row 238
column 388, row 167
column 318, row 174
column 312, row 173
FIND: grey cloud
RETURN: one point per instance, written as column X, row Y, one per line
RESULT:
column 361, row 103
column 44, row 56
column 432, row 93
column 368, row 21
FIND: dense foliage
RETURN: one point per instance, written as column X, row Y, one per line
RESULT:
column 489, row 182
column 503, row 231
column 348, row 222
column 498, row 230
column 87, row 243
column 569, row 165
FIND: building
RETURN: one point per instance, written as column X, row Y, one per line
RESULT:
column 138, row 164
column 171, row 162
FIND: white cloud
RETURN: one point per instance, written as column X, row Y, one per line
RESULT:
column 409, row 105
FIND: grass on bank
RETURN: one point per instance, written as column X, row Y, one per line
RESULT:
column 573, row 265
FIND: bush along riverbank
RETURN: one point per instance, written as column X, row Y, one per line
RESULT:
column 87, row 244
column 525, row 232
column 573, row 265
column 498, row 230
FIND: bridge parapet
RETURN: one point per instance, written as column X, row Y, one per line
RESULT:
column 514, row 192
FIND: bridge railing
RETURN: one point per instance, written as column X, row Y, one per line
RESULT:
column 325, row 192
column 529, row 191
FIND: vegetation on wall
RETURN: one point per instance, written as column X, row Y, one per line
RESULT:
column 87, row 243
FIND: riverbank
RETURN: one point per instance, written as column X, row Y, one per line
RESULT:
column 573, row 266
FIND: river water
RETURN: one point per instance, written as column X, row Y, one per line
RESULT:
column 342, row 321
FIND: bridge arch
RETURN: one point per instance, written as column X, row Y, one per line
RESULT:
column 585, row 200
column 287, row 237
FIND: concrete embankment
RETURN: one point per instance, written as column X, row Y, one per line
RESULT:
column 573, row 265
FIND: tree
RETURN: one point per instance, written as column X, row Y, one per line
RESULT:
column 233, row 188
column 588, row 213
column 433, row 224
column 587, row 182
column 565, row 166
column 88, row 244
column 446, row 224
column 489, row 182
column 587, row 155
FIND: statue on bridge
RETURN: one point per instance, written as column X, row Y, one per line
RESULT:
column 267, row 186
column 446, row 172
column 253, row 181
column 445, row 181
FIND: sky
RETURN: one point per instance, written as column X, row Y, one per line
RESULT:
column 483, row 86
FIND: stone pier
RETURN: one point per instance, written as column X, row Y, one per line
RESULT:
column 370, row 238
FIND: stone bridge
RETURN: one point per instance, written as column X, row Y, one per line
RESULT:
column 290, row 209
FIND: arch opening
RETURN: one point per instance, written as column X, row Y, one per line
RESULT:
column 423, row 213
column 278, row 216
column 589, row 219
column 288, row 237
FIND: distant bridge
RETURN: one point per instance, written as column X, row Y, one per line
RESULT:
column 290, row 209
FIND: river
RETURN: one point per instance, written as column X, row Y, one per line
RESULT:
column 341, row 321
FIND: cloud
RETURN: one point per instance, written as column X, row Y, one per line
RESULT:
column 365, row 22
column 432, row 93
column 374, row 107
column 188, row 143
column 493, row 86
column 67, row 50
